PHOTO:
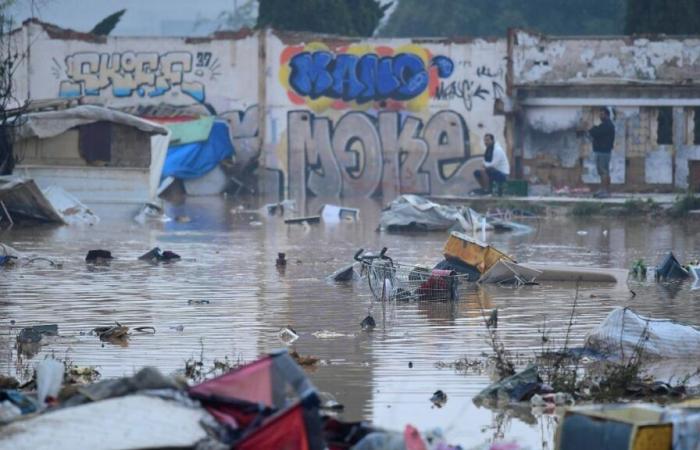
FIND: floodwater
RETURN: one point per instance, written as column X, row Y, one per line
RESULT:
column 229, row 261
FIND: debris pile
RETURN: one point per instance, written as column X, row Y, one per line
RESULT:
column 269, row 403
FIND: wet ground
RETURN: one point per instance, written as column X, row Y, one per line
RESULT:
column 226, row 298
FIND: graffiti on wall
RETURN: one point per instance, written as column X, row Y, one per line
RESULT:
column 484, row 85
column 388, row 154
column 144, row 74
column 360, row 76
column 243, row 126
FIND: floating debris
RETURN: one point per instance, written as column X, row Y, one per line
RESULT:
column 287, row 335
column 368, row 323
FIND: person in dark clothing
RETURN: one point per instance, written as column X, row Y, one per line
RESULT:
column 603, row 136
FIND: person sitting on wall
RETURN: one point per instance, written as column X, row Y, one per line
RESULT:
column 496, row 166
column 603, row 136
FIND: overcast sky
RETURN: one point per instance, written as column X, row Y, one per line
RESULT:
column 142, row 17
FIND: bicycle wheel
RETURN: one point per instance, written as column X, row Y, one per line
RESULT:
column 381, row 279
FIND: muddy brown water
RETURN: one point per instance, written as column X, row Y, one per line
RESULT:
column 229, row 261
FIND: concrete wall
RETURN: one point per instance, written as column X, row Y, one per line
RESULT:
column 350, row 117
column 321, row 115
column 334, row 116
column 538, row 59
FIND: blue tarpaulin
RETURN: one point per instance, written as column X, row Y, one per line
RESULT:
column 193, row 160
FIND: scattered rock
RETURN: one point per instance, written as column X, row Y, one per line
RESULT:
column 368, row 323
column 305, row 361
column 112, row 333
column 155, row 255
column 439, row 398
column 98, row 256
column 33, row 335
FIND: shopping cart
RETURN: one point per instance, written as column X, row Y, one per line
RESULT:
column 388, row 280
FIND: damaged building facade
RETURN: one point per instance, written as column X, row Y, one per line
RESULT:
column 314, row 115
column 649, row 83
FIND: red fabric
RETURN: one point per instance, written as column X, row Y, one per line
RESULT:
column 251, row 383
column 413, row 439
column 284, row 432
column 437, row 286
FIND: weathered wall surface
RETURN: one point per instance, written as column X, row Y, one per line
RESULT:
column 538, row 59
column 558, row 82
column 152, row 77
column 336, row 117
column 346, row 117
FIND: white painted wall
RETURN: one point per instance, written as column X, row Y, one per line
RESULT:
column 326, row 146
column 176, row 71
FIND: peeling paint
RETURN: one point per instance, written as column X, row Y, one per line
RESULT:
column 577, row 60
column 658, row 167
column 549, row 120
column 606, row 66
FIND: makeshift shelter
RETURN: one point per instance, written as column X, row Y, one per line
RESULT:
column 98, row 154
column 197, row 148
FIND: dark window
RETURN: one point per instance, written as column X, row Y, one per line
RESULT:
column 696, row 121
column 664, row 122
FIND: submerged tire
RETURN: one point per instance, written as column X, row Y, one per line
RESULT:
column 460, row 267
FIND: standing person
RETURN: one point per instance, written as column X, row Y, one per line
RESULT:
column 496, row 166
column 603, row 136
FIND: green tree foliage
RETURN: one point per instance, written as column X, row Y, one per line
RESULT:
column 344, row 17
column 106, row 25
column 494, row 17
column 663, row 16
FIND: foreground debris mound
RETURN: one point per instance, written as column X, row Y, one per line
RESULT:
column 267, row 404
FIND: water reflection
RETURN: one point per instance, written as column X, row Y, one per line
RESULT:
column 229, row 251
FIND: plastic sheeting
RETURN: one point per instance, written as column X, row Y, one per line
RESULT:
column 52, row 123
column 193, row 160
column 190, row 131
column 125, row 423
column 72, row 210
column 623, row 330
column 415, row 212
column 670, row 269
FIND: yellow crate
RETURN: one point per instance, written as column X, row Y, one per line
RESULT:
column 473, row 252
column 654, row 437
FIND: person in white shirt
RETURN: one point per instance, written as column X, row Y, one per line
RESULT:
column 496, row 166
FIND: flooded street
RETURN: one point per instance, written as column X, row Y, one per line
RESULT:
column 226, row 298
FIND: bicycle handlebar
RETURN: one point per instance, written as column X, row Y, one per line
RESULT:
column 357, row 255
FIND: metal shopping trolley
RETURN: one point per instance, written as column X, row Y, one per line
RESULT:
column 389, row 280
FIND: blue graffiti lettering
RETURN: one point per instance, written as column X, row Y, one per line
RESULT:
column 363, row 78
column 310, row 73
column 444, row 65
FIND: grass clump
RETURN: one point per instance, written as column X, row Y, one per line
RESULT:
column 684, row 204
column 584, row 209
